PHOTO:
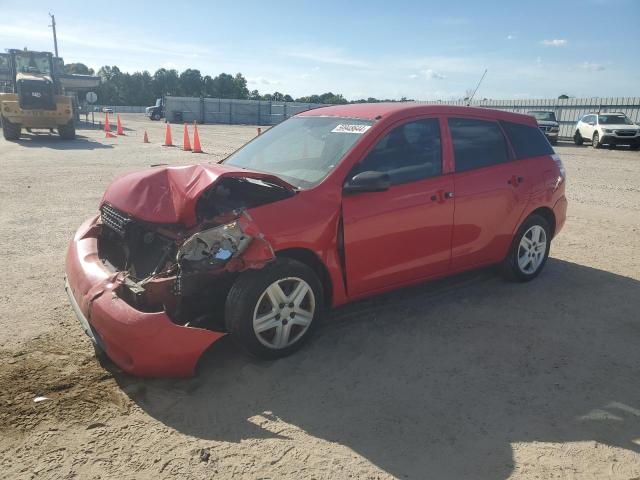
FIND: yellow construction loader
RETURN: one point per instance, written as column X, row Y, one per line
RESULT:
column 31, row 96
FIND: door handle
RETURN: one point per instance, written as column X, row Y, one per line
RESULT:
column 515, row 180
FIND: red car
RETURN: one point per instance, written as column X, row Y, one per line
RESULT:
column 332, row 205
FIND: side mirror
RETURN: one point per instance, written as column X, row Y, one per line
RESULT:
column 368, row 182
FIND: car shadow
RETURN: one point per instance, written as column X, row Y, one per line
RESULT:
column 436, row 380
column 56, row 143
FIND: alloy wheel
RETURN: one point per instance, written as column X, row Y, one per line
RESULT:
column 532, row 249
column 284, row 312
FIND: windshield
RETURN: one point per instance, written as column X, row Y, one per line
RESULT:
column 301, row 150
column 544, row 116
column 29, row 62
column 614, row 120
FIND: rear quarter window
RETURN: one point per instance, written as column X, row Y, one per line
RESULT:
column 477, row 143
column 527, row 141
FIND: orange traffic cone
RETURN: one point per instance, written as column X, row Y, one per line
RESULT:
column 259, row 130
column 186, row 144
column 196, row 139
column 146, row 138
column 109, row 135
column 107, row 127
column 119, row 129
column 168, row 142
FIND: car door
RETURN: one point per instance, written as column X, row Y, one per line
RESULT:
column 401, row 234
column 491, row 188
column 587, row 126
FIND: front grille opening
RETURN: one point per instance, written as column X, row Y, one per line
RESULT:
column 132, row 246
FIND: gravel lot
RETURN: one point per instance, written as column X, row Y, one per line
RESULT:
column 469, row 377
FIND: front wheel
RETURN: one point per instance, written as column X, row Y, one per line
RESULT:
column 68, row 131
column 529, row 250
column 155, row 116
column 272, row 311
column 595, row 141
column 577, row 138
column 10, row 131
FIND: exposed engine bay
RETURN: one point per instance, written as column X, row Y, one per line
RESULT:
column 188, row 272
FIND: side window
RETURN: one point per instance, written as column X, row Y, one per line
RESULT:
column 527, row 141
column 407, row 153
column 477, row 143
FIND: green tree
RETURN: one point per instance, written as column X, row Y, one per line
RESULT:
column 78, row 69
column 165, row 82
column 191, row 83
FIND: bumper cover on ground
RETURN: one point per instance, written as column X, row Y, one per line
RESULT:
column 141, row 343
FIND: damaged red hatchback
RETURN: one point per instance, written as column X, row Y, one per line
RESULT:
column 332, row 205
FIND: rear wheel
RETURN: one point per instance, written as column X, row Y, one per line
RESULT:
column 155, row 116
column 10, row 131
column 595, row 141
column 529, row 250
column 272, row 311
column 577, row 138
column 68, row 131
column 554, row 141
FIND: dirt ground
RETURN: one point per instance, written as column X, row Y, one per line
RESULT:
column 469, row 377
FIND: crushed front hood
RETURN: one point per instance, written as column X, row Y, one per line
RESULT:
column 169, row 194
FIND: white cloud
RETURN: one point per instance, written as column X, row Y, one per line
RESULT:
column 556, row 42
column 432, row 74
column 413, row 76
column 262, row 81
column 330, row 55
column 511, row 37
column 592, row 67
column 305, row 76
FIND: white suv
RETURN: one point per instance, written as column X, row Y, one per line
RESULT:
column 607, row 129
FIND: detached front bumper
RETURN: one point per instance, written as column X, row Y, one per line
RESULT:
column 141, row 343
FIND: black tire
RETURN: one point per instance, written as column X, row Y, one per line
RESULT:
column 10, row 131
column 553, row 141
column 595, row 141
column 577, row 138
column 155, row 116
column 510, row 268
column 68, row 131
column 246, row 293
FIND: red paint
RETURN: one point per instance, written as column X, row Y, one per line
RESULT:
column 169, row 194
column 410, row 233
column 145, row 344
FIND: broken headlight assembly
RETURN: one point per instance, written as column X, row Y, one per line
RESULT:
column 212, row 248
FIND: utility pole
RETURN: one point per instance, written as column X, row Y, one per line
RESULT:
column 55, row 39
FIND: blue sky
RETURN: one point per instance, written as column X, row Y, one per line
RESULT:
column 422, row 50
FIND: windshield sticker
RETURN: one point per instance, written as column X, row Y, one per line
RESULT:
column 359, row 129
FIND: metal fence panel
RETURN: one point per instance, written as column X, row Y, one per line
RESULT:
column 261, row 112
column 231, row 111
column 567, row 111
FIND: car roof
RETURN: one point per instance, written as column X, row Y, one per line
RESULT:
column 400, row 110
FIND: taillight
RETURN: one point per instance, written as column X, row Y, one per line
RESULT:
column 556, row 159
